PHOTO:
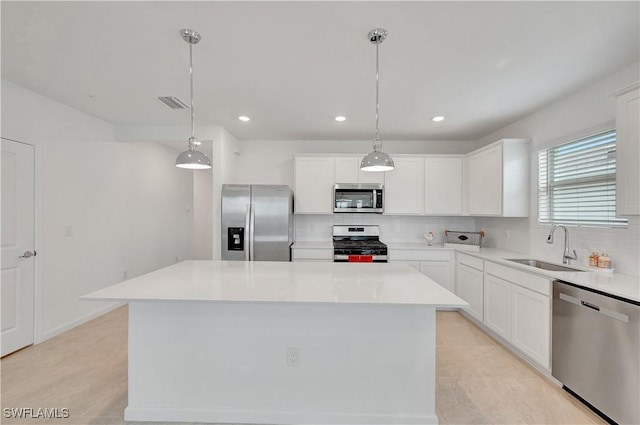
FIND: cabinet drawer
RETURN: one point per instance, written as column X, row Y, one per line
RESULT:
column 312, row 254
column 526, row 280
column 420, row 254
column 468, row 260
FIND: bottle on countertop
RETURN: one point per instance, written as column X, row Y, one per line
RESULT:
column 604, row 261
column 593, row 259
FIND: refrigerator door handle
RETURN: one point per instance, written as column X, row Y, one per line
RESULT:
column 252, row 236
column 247, row 227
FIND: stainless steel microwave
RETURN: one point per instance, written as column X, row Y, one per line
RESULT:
column 358, row 198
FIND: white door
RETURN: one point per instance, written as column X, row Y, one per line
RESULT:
column 443, row 186
column 470, row 289
column 531, row 326
column 404, row 187
column 17, row 246
column 439, row 272
column 497, row 305
column 314, row 178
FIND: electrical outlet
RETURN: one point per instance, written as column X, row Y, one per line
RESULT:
column 293, row 357
column 507, row 233
column 125, row 275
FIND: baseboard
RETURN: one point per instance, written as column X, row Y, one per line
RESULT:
column 77, row 322
column 271, row 417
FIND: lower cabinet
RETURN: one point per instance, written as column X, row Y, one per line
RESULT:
column 531, row 324
column 517, row 307
column 312, row 254
column 470, row 288
column 439, row 271
column 497, row 305
column 436, row 264
column 513, row 304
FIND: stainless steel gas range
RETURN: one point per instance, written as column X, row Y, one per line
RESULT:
column 358, row 244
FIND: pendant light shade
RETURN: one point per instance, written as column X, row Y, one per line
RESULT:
column 192, row 159
column 377, row 160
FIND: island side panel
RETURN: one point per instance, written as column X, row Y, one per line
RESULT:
column 228, row 363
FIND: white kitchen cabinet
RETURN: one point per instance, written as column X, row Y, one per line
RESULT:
column 348, row 171
column 438, row 271
column 497, row 305
column 323, row 254
column 314, row 177
column 517, row 308
column 497, row 179
column 531, row 325
column 470, row 284
column 414, row 264
column 404, row 187
column 436, row 264
column 628, row 152
column 443, row 185
column 347, row 168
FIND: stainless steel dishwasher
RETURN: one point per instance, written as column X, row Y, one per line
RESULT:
column 595, row 350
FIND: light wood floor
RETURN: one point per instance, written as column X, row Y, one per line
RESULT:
column 85, row 370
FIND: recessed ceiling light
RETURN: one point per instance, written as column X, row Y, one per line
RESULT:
column 340, row 118
column 243, row 118
column 438, row 118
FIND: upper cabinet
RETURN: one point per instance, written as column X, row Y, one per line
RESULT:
column 443, row 185
column 348, row 171
column 491, row 181
column 628, row 152
column 497, row 179
column 314, row 177
column 404, row 186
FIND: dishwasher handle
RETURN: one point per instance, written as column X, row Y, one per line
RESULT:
column 592, row 306
column 605, row 311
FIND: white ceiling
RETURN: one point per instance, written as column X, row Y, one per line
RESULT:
column 293, row 66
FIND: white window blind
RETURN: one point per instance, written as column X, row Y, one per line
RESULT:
column 577, row 182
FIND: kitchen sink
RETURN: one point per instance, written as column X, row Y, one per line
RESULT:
column 544, row 265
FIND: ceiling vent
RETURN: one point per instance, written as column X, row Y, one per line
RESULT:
column 173, row 102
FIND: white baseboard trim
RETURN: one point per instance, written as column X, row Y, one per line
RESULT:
column 77, row 322
column 271, row 417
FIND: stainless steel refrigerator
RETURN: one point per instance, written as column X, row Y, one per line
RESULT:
column 257, row 222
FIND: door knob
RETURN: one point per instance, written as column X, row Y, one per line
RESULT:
column 28, row 254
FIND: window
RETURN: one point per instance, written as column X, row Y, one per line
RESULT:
column 577, row 183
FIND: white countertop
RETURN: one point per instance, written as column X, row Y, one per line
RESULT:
column 313, row 245
column 622, row 285
column 416, row 245
column 283, row 282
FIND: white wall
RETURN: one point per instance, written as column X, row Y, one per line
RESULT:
column 124, row 205
column 225, row 168
column 202, row 215
column 572, row 117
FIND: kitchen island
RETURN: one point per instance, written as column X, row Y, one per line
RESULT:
column 282, row 343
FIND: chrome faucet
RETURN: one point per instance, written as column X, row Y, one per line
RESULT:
column 566, row 257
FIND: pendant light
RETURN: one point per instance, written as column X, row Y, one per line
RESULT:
column 377, row 160
column 192, row 159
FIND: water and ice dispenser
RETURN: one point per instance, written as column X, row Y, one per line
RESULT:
column 235, row 238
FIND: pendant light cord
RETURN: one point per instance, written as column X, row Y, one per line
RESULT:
column 193, row 126
column 377, row 90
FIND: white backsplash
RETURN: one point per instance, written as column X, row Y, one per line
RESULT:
column 314, row 228
column 528, row 237
column 522, row 235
